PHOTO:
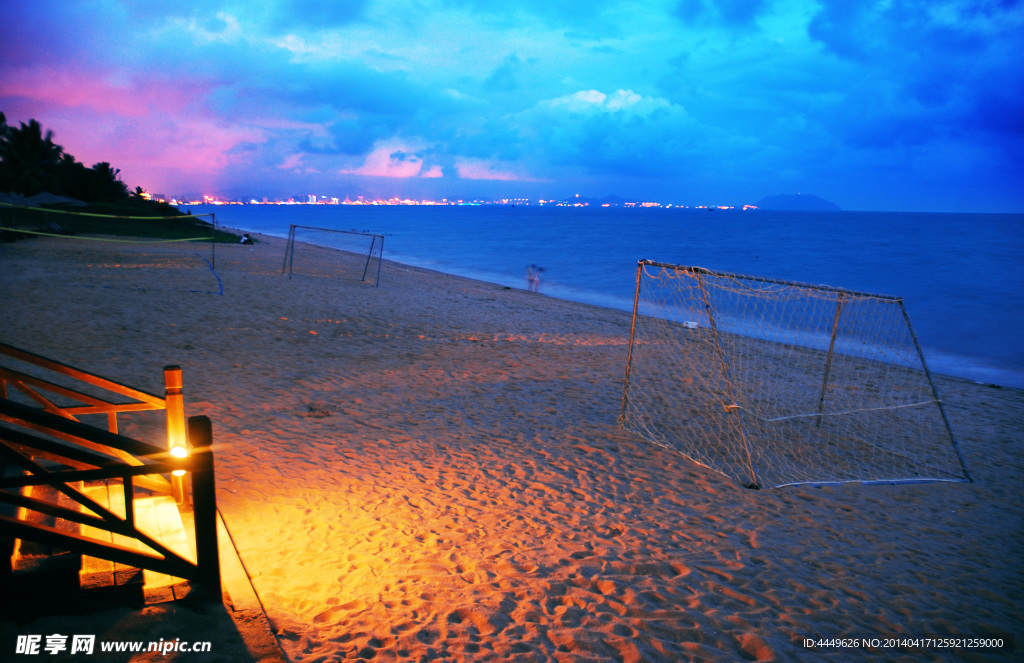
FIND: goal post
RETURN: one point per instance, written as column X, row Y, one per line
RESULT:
column 333, row 253
column 775, row 382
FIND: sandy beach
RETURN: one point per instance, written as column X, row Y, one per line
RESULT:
column 431, row 469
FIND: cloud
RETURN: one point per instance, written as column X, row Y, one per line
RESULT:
column 435, row 93
column 296, row 162
column 481, row 169
column 928, row 71
column 73, row 87
column 393, row 158
column 319, row 15
column 565, row 12
column 160, row 153
column 910, row 28
column 621, row 101
column 45, row 31
column 506, row 78
column 619, row 133
column 727, row 12
column 221, row 27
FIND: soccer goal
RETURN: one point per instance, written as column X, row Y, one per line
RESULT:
column 777, row 383
column 333, row 253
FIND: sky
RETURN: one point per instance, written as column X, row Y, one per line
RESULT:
column 898, row 105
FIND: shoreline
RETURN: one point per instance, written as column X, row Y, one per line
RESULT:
column 432, row 468
column 997, row 376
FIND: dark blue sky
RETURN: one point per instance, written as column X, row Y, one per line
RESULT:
column 891, row 105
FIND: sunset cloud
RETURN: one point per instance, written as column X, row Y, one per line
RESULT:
column 393, row 159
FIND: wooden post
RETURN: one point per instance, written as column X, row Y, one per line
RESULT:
column 629, row 353
column 129, row 501
column 204, row 492
column 289, row 249
column 935, row 392
column 379, row 260
column 175, row 401
column 828, row 360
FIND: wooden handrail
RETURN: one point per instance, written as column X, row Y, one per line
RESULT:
column 173, row 403
column 96, row 405
column 18, row 412
column 96, row 454
column 81, row 375
column 67, row 454
column 33, row 387
column 97, row 474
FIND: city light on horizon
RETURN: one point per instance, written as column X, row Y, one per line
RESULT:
column 324, row 200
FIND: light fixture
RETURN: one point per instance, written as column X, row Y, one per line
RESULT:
column 179, row 452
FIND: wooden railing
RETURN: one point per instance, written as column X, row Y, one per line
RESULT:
column 84, row 453
column 44, row 392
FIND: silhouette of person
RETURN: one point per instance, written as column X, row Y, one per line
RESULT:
column 533, row 278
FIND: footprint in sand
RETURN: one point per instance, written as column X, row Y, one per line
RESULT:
column 485, row 624
column 427, row 635
column 754, row 646
column 338, row 612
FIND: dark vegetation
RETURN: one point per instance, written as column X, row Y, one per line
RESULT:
column 31, row 164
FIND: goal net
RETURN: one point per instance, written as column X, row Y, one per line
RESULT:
column 333, row 253
column 776, row 383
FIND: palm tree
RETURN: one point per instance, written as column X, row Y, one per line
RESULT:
column 75, row 178
column 107, row 183
column 29, row 160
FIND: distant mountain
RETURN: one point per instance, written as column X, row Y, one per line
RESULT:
column 802, row 202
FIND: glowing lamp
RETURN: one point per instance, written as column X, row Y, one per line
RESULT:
column 179, row 452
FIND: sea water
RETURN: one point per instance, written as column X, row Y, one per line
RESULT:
column 961, row 276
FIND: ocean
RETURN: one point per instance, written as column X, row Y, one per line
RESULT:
column 961, row 276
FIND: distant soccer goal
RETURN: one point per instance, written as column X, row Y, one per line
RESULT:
column 333, row 253
column 777, row 383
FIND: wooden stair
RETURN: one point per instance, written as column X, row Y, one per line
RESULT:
column 51, row 442
column 31, row 557
column 156, row 516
